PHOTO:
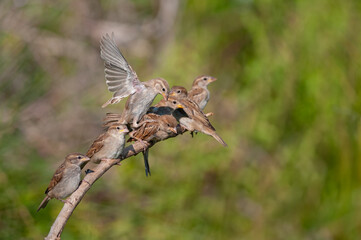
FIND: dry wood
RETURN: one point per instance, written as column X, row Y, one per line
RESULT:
column 88, row 181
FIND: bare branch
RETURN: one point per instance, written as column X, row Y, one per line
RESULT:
column 88, row 181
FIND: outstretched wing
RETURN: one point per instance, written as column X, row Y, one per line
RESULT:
column 119, row 75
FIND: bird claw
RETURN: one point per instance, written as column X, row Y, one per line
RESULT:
column 138, row 125
column 144, row 143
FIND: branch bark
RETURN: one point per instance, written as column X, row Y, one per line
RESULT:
column 73, row 201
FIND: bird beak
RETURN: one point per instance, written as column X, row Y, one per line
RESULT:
column 179, row 106
column 172, row 94
column 212, row 79
column 165, row 96
column 173, row 130
column 84, row 159
column 125, row 130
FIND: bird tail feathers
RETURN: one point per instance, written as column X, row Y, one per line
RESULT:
column 219, row 139
column 43, row 203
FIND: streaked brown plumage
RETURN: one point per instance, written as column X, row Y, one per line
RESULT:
column 196, row 120
column 199, row 92
column 108, row 145
column 123, row 81
column 66, row 178
column 158, row 128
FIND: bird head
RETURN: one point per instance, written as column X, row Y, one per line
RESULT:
column 174, row 103
column 161, row 86
column 169, row 123
column 77, row 158
column 178, row 92
column 118, row 128
column 203, row 81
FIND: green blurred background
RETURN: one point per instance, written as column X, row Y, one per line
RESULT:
column 287, row 102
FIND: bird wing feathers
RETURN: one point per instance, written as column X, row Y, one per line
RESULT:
column 194, row 112
column 110, row 119
column 96, row 146
column 197, row 94
column 146, row 131
column 119, row 75
column 58, row 175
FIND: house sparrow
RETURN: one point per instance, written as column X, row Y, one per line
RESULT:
column 178, row 92
column 199, row 92
column 181, row 93
column 196, row 121
column 108, row 145
column 163, row 106
column 123, row 81
column 160, row 128
column 66, row 179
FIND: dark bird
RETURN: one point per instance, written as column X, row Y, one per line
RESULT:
column 66, row 179
column 160, row 127
column 163, row 106
column 108, row 145
column 199, row 92
column 123, row 81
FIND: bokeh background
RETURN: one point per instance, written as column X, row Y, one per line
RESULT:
column 287, row 102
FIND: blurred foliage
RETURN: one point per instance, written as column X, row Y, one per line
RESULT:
column 287, row 101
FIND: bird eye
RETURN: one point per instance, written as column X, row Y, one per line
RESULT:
column 163, row 89
column 79, row 157
column 168, row 125
column 204, row 78
column 178, row 91
column 174, row 102
column 118, row 128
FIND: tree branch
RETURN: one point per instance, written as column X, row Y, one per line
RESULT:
column 73, row 201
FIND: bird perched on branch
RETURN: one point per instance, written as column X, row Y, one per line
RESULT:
column 196, row 120
column 66, row 179
column 199, row 92
column 123, row 81
column 159, row 128
column 178, row 92
column 108, row 145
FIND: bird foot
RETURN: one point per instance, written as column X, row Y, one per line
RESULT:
column 209, row 114
column 138, row 125
column 144, row 143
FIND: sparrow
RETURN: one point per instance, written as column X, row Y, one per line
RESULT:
column 196, row 120
column 108, row 145
column 160, row 128
column 123, row 81
column 163, row 106
column 180, row 93
column 199, row 92
column 66, row 179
